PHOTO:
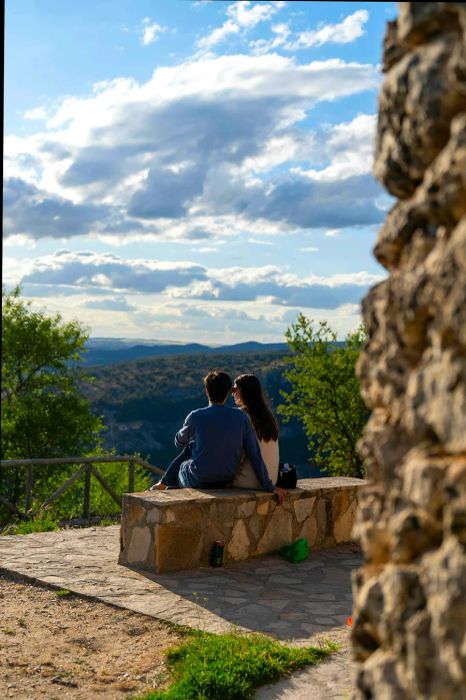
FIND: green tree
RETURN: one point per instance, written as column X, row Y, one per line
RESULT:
column 324, row 394
column 43, row 413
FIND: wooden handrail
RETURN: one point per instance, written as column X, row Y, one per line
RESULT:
column 85, row 469
column 81, row 460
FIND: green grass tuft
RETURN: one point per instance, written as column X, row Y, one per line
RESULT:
column 42, row 522
column 231, row 666
column 63, row 592
column 105, row 522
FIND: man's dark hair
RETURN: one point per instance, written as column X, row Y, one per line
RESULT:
column 218, row 385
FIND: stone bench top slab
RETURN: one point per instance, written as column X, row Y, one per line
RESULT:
column 306, row 487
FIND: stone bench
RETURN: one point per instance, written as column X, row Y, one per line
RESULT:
column 175, row 529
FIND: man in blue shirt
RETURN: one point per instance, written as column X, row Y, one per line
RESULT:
column 214, row 439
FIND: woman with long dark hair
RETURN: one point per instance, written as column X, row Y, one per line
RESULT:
column 250, row 397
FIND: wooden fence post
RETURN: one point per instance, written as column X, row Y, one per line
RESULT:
column 87, row 492
column 131, row 476
column 28, row 490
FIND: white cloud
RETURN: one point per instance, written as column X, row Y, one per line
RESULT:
column 279, row 149
column 151, row 31
column 333, row 232
column 243, row 15
column 160, row 319
column 218, row 35
column 261, row 46
column 258, row 241
column 350, row 148
column 36, row 114
column 235, row 303
column 108, row 272
column 351, row 28
column 107, row 275
column 109, row 304
column 345, row 32
column 248, row 14
column 310, row 249
column 181, row 154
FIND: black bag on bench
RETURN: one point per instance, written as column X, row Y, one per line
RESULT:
column 287, row 477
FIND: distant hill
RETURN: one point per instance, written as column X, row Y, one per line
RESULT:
column 109, row 351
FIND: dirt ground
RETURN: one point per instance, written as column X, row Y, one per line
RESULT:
column 56, row 647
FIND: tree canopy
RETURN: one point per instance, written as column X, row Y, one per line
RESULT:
column 43, row 413
column 324, row 394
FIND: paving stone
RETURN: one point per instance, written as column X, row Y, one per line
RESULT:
column 281, row 625
column 331, row 680
column 274, row 604
column 320, row 608
column 291, row 616
column 249, row 587
column 311, row 629
column 326, row 621
column 287, row 578
column 254, row 610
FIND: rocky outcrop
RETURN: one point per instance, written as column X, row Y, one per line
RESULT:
column 409, row 629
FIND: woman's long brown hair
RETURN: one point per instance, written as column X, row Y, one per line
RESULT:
column 256, row 405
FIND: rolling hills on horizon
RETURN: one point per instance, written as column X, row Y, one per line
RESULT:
column 109, row 351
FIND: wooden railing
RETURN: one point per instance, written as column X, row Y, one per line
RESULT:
column 86, row 470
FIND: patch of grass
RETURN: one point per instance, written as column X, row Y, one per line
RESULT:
column 231, row 666
column 42, row 522
column 63, row 592
column 9, row 630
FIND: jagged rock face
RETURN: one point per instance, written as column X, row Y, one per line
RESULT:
column 409, row 630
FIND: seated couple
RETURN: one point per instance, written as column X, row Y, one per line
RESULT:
column 220, row 444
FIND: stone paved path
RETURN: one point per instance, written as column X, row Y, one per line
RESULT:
column 328, row 681
column 293, row 602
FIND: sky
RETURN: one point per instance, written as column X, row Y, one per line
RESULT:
column 192, row 171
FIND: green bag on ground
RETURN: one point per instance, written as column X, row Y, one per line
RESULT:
column 297, row 551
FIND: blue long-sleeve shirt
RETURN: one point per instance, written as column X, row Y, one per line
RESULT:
column 220, row 434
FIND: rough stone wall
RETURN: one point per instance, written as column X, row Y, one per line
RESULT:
column 409, row 630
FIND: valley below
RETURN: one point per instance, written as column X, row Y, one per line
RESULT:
column 144, row 402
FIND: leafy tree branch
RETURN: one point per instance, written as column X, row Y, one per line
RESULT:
column 324, row 393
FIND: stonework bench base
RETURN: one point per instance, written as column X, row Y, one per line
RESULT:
column 176, row 529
